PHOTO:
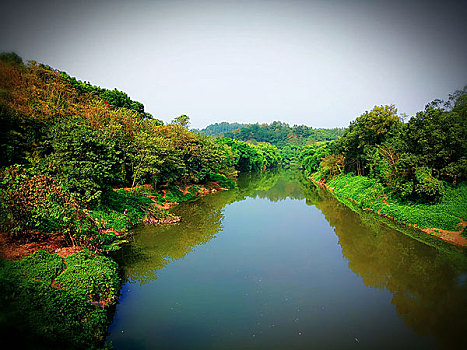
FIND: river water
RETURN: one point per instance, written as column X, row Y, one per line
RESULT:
column 279, row 264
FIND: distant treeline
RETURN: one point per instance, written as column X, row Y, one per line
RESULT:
column 218, row 129
column 277, row 133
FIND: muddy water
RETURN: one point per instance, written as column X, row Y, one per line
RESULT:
column 278, row 264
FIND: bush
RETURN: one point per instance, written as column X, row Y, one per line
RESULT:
column 32, row 202
column 222, row 180
column 427, row 188
column 42, row 307
column 94, row 277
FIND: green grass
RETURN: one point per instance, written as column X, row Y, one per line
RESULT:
column 35, row 314
column 369, row 193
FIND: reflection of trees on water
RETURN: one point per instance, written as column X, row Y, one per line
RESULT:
column 154, row 246
column 272, row 185
column 429, row 292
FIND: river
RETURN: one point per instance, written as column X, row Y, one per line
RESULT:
column 279, row 264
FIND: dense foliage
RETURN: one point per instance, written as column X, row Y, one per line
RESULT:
column 66, row 144
column 252, row 157
column 326, row 134
column 219, row 129
column 114, row 98
column 282, row 134
column 50, row 303
column 412, row 159
column 289, row 140
column 276, row 133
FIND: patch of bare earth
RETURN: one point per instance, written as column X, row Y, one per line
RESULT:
column 14, row 249
column 453, row 237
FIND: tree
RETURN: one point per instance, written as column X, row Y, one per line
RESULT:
column 183, row 121
column 312, row 156
column 437, row 138
column 11, row 58
column 333, row 164
column 364, row 133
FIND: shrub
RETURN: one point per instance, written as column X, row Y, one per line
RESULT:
column 37, row 313
column 222, row 180
column 333, row 164
column 427, row 187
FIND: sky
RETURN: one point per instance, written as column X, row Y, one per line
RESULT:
column 318, row 63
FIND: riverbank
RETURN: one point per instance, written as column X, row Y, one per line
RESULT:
column 275, row 245
column 444, row 220
column 56, row 296
column 50, row 302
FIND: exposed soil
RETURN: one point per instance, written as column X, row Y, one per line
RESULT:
column 186, row 190
column 52, row 243
column 14, row 249
column 453, row 237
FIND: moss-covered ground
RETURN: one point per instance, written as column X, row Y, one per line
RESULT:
column 47, row 302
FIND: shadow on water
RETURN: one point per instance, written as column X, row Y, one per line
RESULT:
column 429, row 289
column 153, row 247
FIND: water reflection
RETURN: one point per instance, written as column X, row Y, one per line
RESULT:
column 153, row 247
column 425, row 283
column 428, row 288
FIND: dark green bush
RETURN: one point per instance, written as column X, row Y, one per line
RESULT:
column 222, row 180
column 427, row 187
column 36, row 313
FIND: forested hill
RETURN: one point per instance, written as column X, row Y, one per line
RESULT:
column 280, row 133
column 277, row 133
column 218, row 129
column 79, row 166
column 65, row 144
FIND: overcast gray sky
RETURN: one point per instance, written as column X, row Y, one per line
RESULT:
column 319, row 63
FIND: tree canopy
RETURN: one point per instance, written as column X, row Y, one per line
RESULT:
column 411, row 158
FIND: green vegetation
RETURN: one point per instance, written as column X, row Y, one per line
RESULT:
column 289, row 140
column 66, row 144
column 368, row 193
column 113, row 98
column 50, row 303
column 420, row 166
column 222, row 180
column 282, row 134
column 252, row 157
column 87, row 163
column 318, row 135
column 219, row 129
column 277, row 133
